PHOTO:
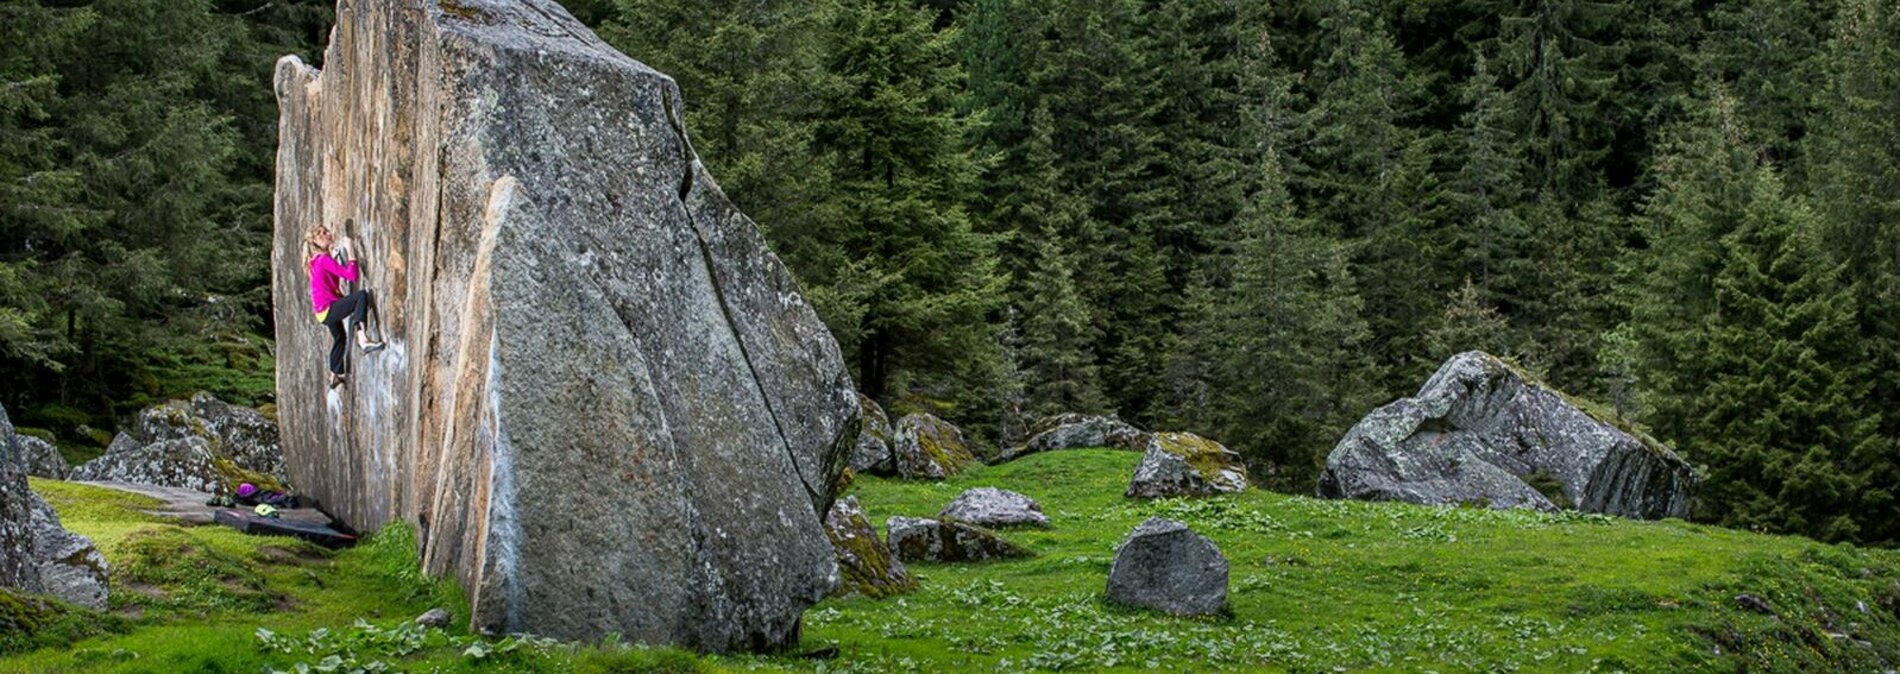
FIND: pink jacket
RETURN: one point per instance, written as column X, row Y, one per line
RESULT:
column 324, row 275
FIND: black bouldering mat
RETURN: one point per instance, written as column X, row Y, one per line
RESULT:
column 252, row 523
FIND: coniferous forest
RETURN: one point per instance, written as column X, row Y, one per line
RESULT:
column 1253, row 220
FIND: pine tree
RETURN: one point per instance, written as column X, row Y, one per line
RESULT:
column 1364, row 175
column 1854, row 157
column 1745, row 337
column 903, row 173
column 1469, row 323
column 1055, row 359
column 1288, row 367
column 1559, row 69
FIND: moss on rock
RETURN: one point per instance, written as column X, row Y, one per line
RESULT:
column 29, row 622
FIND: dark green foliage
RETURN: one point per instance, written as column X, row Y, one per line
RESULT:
column 135, row 181
column 1748, row 335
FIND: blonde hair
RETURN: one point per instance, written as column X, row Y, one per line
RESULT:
column 310, row 247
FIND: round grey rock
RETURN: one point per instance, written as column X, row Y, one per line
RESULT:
column 1165, row 566
column 435, row 617
column 1079, row 431
column 992, row 507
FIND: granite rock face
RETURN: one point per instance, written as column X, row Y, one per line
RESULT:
column 1164, row 566
column 70, row 567
column 1185, row 464
column 872, row 453
column 926, row 447
column 18, row 569
column 204, row 444
column 918, row 539
column 992, row 507
column 866, row 564
column 42, row 458
column 1480, row 432
column 37, row 555
column 185, row 463
column 1078, row 431
column 603, row 399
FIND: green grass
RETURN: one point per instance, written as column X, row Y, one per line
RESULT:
column 1316, row 586
column 1321, row 586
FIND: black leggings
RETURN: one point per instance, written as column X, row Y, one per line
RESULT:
column 354, row 305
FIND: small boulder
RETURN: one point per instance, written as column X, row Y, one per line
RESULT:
column 70, row 567
column 435, row 618
column 1481, row 431
column 1185, row 464
column 992, row 507
column 927, row 447
column 43, row 459
column 185, row 463
column 872, row 453
column 1165, row 566
column 1079, row 431
column 866, row 565
column 917, row 539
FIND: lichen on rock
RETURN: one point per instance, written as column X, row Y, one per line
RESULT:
column 1481, row 431
column 1185, row 464
column 866, row 565
column 926, row 447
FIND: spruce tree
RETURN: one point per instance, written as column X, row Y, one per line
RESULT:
column 1288, row 365
column 892, row 131
column 1744, row 339
column 1364, row 176
column 1854, row 160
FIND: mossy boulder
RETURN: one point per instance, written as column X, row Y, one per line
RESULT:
column 202, row 444
column 872, row 453
column 926, row 447
column 918, row 539
column 1482, row 431
column 31, row 622
column 1185, row 464
column 70, row 567
column 866, row 565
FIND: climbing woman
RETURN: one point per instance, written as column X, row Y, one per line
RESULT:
column 333, row 307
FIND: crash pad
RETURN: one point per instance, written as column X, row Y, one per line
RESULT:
column 252, row 523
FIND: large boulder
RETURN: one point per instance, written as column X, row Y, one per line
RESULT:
column 1165, row 566
column 186, row 463
column 603, row 399
column 18, row 568
column 37, row 555
column 995, row 508
column 1185, row 464
column 1079, row 431
column 918, row 539
column 204, row 444
column 927, row 447
column 42, row 458
column 70, row 567
column 1481, row 432
column 872, row 453
column 866, row 565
